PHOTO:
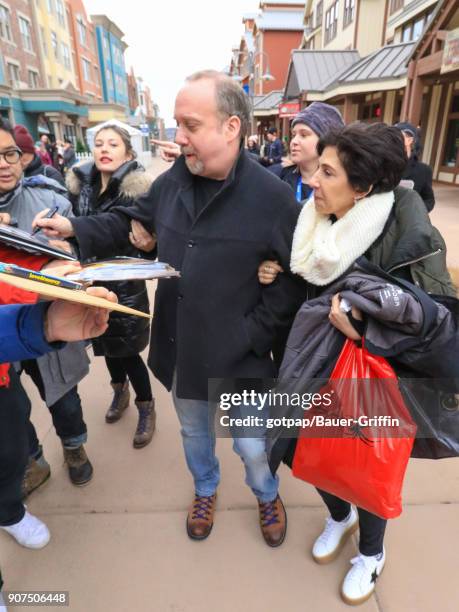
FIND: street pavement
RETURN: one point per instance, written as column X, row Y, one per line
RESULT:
column 119, row 544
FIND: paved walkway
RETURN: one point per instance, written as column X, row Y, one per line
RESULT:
column 120, row 545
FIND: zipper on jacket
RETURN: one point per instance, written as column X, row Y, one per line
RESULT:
column 413, row 261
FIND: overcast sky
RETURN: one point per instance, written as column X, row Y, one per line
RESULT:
column 170, row 39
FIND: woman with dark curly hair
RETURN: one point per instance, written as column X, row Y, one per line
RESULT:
column 358, row 208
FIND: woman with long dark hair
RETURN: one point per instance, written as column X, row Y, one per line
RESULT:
column 115, row 178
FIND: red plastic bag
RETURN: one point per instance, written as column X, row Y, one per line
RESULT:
column 346, row 453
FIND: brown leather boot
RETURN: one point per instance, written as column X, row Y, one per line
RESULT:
column 146, row 425
column 37, row 473
column 79, row 467
column 200, row 519
column 119, row 403
column 273, row 521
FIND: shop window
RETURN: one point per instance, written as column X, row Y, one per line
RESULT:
column 450, row 158
column 371, row 112
column 451, row 152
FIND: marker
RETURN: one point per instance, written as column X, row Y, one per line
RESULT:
column 48, row 215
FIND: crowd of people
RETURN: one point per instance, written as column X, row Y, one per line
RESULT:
column 251, row 247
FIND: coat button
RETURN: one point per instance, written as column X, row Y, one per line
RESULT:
column 191, row 244
column 172, row 340
column 180, row 296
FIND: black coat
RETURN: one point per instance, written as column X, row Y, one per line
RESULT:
column 421, row 175
column 36, row 166
column 126, row 335
column 216, row 321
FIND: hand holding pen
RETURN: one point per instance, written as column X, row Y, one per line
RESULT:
column 49, row 214
column 58, row 227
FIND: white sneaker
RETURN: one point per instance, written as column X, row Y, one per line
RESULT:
column 332, row 539
column 29, row 532
column 360, row 581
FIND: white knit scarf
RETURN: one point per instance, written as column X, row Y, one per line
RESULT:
column 322, row 250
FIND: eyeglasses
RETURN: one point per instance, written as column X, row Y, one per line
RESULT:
column 12, row 157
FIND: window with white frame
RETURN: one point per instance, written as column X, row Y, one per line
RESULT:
column 33, row 79
column 26, row 34
column 50, row 5
column 349, row 11
column 13, row 73
column 66, row 56
column 5, row 24
column 82, row 32
column 331, row 22
column 60, row 11
column 55, row 44
column 86, row 69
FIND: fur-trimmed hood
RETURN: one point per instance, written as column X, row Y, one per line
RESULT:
column 133, row 181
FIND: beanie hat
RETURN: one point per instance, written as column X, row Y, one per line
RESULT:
column 320, row 117
column 23, row 139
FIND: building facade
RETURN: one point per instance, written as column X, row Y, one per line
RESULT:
column 111, row 48
column 84, row 51
column 37, row 87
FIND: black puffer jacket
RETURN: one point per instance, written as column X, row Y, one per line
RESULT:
column 126, row 335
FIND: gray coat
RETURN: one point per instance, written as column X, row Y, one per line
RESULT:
column 401, row 322
column 60, row 370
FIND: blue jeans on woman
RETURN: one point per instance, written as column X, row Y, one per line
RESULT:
column 197, row 420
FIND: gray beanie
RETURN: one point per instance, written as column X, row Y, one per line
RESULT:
column 320, row 117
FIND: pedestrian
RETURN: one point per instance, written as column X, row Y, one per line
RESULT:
column 307, row 127
column 273, row 150
column 31, row 162
column 359, row 209
column 416, row 172
column 44, row 154
column 31, row 331
column 56, row 374
column 68, row 154
column 115, row 178
column 217, row 214
column 252, row 145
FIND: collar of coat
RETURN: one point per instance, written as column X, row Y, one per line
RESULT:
column 322, row 250
column 130, row 180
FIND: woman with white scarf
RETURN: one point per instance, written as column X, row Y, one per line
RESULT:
column 358, row 209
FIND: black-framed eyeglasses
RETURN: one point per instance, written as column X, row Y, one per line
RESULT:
column 12, row 156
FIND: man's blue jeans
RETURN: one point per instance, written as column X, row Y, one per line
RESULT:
column 197, row 420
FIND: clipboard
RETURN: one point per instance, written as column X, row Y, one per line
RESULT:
column 70, row 295
column 19, row 239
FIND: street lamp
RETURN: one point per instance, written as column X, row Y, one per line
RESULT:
column 266, row 76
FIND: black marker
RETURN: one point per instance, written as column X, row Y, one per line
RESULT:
column 48, row 215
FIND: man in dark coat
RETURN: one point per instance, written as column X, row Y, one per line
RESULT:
column 217, row 215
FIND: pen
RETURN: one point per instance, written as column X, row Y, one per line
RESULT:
column 48, row 215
